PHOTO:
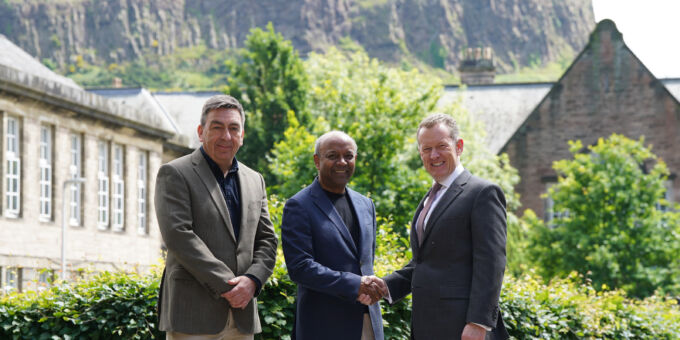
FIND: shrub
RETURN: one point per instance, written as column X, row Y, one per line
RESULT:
column 567, row 309
column 123, row 306
column 106, row 306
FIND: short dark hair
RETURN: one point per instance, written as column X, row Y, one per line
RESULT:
column 222, row 101
column 440, row 118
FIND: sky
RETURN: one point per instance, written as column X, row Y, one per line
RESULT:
column 651, row 29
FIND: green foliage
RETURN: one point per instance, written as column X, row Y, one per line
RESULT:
column 292, row 159
column 537, row 71
column 196, row 68
column 107, row 306
column 380, row 107
column 269, row 80
column 123, row 306
column 613, row 221
column 568, row 309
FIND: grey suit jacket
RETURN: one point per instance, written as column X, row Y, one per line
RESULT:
column 203, row 253
column 457, row 273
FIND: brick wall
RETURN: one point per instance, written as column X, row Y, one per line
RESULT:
column 606, row 90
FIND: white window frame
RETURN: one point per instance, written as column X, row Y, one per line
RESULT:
column 75, row 171
column 45, row 164
column 12, row 167
column 142, row 185
column 103, row 188
column 118, row 192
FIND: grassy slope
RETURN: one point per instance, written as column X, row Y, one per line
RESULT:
column 200, row 68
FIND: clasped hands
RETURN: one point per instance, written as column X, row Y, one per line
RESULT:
column 371, row 289
column 242, row 292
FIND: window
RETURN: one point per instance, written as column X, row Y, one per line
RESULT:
column 75, row 170
column 668, row 196
column 118, row 187
column 141, row 193
column 549, row 213
column 45, row 278
column 12, row 168
column 12, row 279
column 103, row 185
column 45, row 164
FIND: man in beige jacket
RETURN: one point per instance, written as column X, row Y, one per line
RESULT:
column 213, row 216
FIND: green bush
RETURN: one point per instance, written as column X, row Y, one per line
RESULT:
column 568, row 309
column 123, row 306
column 612, row 219
column 106, row 306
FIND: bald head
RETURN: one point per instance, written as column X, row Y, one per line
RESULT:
column 333, row 135
column 334, row 158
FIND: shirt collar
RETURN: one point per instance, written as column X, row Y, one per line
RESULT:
column 448, row 181
column 216, row 168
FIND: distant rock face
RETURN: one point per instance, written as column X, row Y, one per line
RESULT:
column 436, row 31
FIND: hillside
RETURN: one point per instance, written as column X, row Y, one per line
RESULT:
column 107, row 33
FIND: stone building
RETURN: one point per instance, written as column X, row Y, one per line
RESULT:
column 51, row 131
column 606, row 90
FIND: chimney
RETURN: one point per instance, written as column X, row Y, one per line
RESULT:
column 117, row 82
column 477, row 66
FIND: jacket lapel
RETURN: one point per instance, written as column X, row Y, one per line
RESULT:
column 365, row 225
column 445, row 201
column 246, row 197
column 324, row 204
column 414, row 234
column 206, row 176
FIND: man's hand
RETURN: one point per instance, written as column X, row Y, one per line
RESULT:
column 371, row 290
column 473, row 332
column 242, row 293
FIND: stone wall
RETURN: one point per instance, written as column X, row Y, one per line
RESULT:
column 606, row 90
column 30, row 243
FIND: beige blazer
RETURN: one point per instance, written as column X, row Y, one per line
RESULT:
column 203, row 253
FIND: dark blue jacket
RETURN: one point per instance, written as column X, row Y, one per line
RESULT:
column 325, row 263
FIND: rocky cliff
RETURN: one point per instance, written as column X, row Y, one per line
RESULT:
column 520, row 32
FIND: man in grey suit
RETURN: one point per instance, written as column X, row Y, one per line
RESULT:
column 458, row 239
column 213, row 216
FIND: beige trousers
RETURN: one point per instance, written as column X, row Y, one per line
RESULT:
column 367, row 329
column 230, row 332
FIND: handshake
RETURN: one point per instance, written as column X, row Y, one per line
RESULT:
column 372, row 289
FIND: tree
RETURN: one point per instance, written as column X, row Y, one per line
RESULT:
column 268, row 79
column 380, row 107
column 614, row 222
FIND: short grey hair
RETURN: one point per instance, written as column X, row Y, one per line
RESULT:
column 334, row 133
column 440, row 118
column 222, row 101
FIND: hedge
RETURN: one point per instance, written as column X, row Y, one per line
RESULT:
column 123, row 305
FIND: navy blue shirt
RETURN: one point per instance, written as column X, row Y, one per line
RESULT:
column 232, row 196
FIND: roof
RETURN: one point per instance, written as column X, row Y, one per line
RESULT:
column 673, row 86
column 185, row 109
column 502, row 108
column 13, row 56
column 23, row 75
